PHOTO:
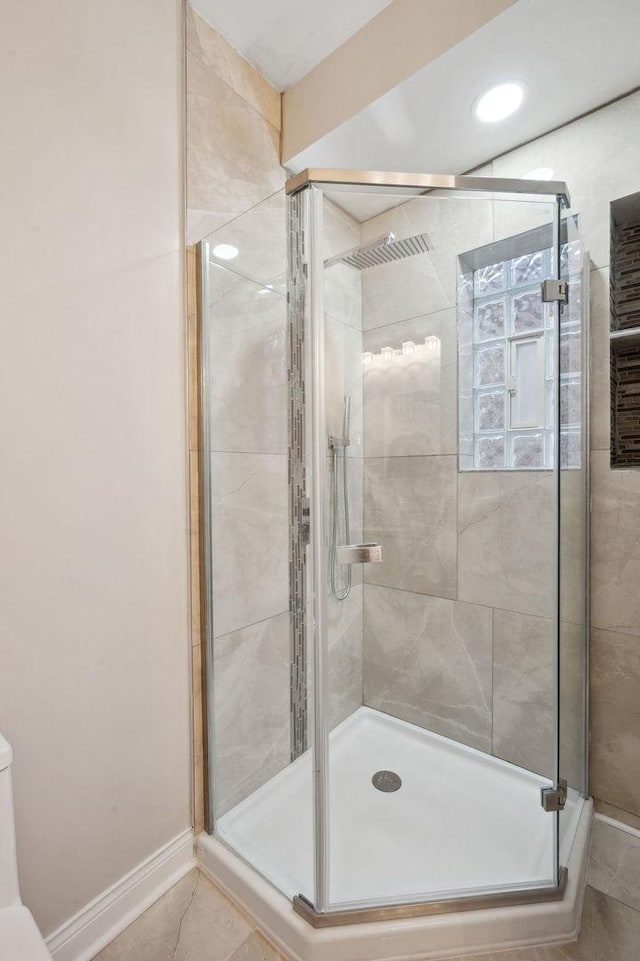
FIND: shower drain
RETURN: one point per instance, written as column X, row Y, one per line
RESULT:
column 386, row 781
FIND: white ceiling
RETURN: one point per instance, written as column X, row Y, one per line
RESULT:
column 573, row 56
column 285, row 39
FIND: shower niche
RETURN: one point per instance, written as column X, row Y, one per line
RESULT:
column 398, row 757
column 625, row 331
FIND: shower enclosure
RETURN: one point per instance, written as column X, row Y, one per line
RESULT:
column 395, row 498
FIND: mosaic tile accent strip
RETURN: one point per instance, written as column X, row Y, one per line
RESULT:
column 298, row 522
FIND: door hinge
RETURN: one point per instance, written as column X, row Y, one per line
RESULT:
column 555, row 291
column 554, row 798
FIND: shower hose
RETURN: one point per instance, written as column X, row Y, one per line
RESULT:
column 340, row 593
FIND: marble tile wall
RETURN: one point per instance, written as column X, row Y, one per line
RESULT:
column 410, row 508
column 234, row 187
column 249, row 474
column 233, row 132
column 251, row 701
column 614, row 867
column 343, row 375
column 598, row 157
column 505, row 540
column 428, row 660
column 409, row 409
column 250, row 515
column 427, row 283
column 473, row 549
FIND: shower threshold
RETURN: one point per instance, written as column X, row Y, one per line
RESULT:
column 462, row 823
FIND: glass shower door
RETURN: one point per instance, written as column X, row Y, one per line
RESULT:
column 434, row 673
column 573, row 480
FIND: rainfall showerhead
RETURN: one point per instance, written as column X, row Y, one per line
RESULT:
column 382, row 250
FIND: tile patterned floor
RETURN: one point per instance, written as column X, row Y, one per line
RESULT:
column 196, row 922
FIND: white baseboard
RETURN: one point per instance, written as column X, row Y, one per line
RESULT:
column 96, row 925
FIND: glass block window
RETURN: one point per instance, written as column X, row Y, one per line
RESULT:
column 506, row 349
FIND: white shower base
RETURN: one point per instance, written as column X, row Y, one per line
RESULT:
column 461, row 821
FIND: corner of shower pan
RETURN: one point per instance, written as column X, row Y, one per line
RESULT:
column 415, row 939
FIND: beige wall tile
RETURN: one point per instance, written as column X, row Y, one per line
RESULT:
column 208, row 45
column 615, row 547
column 609, row 930
column 410, row 508
column 426, row 282
column 505, row 540
column 614, row 866
column 411, row 400
column 428, row 661
column 573, row 709
column 597, row 157
column 250, row 551
column 345, row 628
column 248, row 365
column 574, row 542
column 343, row 375
column 341, row 231
column 610, row 810
column 342, row 284
column 251, row 709
column 523, row 721
column 260, row 236
column 615, row 719
column 232, row 153
column 523, row 695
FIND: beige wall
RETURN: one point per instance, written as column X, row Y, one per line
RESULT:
column 94, row 686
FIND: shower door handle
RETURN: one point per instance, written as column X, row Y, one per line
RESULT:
column 359, row 553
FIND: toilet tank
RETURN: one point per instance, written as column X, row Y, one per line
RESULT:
column 9, row 890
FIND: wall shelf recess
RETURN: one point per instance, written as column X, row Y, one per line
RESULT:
column 625, row 331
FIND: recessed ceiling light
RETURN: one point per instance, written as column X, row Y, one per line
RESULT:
column 499, row 102
column 225, row 251
column 540, row 173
